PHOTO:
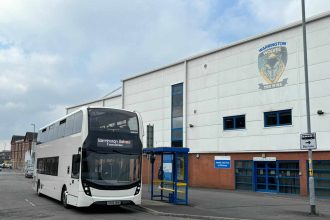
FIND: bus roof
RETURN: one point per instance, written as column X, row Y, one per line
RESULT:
column 81, row 108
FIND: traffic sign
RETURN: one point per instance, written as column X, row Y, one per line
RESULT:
column 308, row 141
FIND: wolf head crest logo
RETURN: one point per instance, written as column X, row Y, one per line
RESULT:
column 272, row 61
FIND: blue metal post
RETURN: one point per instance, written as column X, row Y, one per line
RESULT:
column 161, row 183
column 152, row 180
column 175, row 177
column 254, row 176
column 186, row 175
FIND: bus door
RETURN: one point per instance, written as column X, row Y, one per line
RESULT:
column 74, row 183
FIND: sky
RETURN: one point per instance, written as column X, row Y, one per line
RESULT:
column 55, row 54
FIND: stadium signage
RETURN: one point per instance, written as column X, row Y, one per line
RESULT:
column 272, row 61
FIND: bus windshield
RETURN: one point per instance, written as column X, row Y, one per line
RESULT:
column 111, row 169
column 112, row 120
column 111, row 153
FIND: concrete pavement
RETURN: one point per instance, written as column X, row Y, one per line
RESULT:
column 227, row 204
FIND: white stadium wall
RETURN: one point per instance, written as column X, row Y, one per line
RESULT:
column 226, row 83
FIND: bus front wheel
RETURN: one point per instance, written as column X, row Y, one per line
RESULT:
column 64, row 198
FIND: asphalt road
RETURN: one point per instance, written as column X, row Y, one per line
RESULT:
column 19, row 201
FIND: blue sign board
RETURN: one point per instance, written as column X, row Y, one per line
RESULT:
column 222, row 162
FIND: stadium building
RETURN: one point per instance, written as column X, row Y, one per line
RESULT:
column 241, row 109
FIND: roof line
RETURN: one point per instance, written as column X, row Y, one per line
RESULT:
column 115, row 90
column 90, row 102
column 249, row 39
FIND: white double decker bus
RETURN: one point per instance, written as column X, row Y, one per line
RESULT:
column 91, row 156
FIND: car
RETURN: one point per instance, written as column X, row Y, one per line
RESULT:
column 0, row 169
column 6, row 165
column 29, row 172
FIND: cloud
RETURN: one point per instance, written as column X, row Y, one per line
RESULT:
column 55, row 54
column 283, row 11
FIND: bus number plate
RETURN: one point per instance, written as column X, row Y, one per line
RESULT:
column 113, row 202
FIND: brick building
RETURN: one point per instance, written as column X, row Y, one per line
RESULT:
column 20, row 147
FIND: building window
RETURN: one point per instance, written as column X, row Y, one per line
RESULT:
column 177, row 116
column 243, row 174
column 150, row 136
column 234, row 122
column 321, row 170
column 288, row 177
column 278, row 118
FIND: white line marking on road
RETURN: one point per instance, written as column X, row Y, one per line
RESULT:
column 31, row 203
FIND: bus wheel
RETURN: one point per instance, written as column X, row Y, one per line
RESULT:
column 38, row 188
column 64, row 198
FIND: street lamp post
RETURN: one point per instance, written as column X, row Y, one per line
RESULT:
column 33, row 144
column 310, row 152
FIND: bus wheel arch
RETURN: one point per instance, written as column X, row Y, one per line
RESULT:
column 64, row 197
column 38, row 188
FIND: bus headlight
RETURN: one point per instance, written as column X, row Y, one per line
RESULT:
column 86, row 189
column 138, row 188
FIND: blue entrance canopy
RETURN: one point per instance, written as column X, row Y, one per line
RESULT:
column 161, row 150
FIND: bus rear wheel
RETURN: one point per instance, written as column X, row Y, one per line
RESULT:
column 64, row 198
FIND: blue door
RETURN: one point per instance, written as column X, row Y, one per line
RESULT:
column 266, row 177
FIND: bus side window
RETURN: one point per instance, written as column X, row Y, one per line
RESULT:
column 75, row 166
column 78, row 117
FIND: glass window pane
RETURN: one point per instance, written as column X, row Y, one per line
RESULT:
column 177, row 100
column 112, row 120
column 177, row 122
column 177, row 134
column 285, row 118
column 240, row 122
column 271, row 119
column 321, row 164
column 61, row 129
column 243, row 186
column 69, row 126
column 177, row 89
column 243, row 175
column 289, row 189
column 288, row 165
column 228, row 123
column 150, row 136
column 177, row 111
column 77, row 122
column 177, row 143
column 75, row 166
column 51, row 133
